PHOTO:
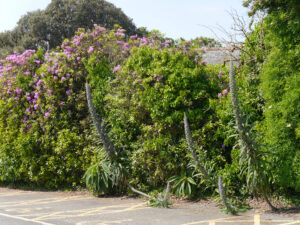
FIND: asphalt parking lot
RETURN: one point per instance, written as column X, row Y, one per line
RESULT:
column 18, row 207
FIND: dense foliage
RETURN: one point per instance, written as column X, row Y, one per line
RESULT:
column 142, row 87
column 271, row 88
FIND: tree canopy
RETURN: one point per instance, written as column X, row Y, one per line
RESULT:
column 60, row 20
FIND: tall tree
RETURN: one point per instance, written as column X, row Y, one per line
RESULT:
column 60, row 20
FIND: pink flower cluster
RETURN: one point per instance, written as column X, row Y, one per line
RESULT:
column 224, row 92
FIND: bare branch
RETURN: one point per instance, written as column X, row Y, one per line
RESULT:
column 138, row 192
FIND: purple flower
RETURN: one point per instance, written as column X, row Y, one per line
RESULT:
column 203, row 63
column 117, row 68
column 133, row 37
column 223, row 145
column 158, row 78
column 167, row 43
column 100, row 29
column 121, row 30
column 133, row 73
column 63, row 79
column 220, row 74
column 68, row 92
column 54, row 77
column 61, row 103
column 28, row 98
column 224, row 92
column 28, row 110
column 39, row 82
column 36, row 106
column 200, row 41
column 18, row 90
column 78, row 58
column 119, row 34
column 91, row 49
column 219, row 95
column 47, row 114
column 126, row 46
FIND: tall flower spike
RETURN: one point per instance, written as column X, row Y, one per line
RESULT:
column 191, row 146
column 108, row 146
column 248, row 147
column 97, row 120
column 246, row 142
column 223, row 196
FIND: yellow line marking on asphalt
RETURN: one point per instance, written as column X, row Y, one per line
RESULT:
column 41, row 201
column 26, row 210
column 215, row 220
column 257, row 219
column 104, row 222
column 90, row 212
column 293, row 222
column 25, row 219
column 5, row 194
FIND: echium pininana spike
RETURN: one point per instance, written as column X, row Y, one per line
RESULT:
column 191, row 147
column 245, row 140
column 97, row 120
column 167, row 192
column 108, row 146
column 223, row 195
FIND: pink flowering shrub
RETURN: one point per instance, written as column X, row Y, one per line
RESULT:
column 141, row 86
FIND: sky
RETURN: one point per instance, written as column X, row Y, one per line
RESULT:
column 174, row 18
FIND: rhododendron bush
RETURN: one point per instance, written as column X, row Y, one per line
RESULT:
column 141, row 86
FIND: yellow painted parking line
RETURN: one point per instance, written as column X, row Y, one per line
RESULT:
column 7, row 194
column 257, row 219
column 24, row 219
column 89, row 212
column 41, row 201
column 239, row 219
column 210, row 221
column 26, row 210
column 106, row 222
column 293, row 222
